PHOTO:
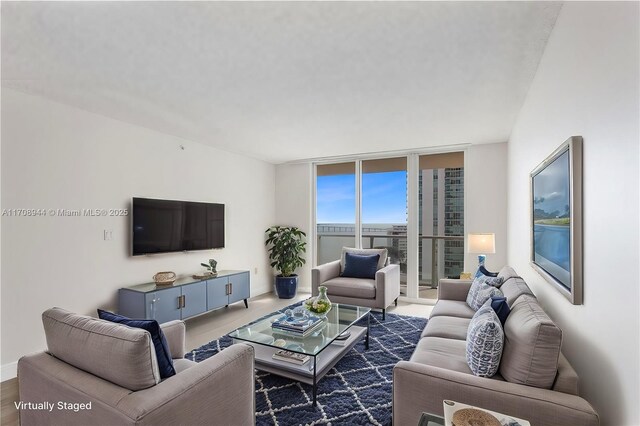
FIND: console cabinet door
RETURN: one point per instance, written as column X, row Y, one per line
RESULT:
column 217, row 293
column 194, row 299
column 239, row 285
column 164, row 305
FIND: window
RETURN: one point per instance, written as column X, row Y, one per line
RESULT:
column 335, row 210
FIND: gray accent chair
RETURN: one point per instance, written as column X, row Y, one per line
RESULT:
column 114, row 367
column 376, row 293
column 535, row 381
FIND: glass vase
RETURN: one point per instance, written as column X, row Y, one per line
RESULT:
column 320, row 302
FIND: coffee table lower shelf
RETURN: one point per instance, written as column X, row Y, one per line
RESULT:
column 312, row 371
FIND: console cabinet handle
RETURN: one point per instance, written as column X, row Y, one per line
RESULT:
column 230, row 288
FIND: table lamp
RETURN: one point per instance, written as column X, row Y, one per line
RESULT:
column 481, row 244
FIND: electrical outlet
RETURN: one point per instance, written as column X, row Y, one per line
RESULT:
column 108, row 235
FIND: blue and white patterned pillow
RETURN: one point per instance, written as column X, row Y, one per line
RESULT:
column 482, row 290
column 485, row 340
column 492, row 281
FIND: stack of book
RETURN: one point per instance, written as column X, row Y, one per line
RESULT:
column 292, row 357
column 297, row 327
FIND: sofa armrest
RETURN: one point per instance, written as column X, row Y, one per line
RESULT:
column 388, row 284
column 175, row 331
column 449, row 289
column 421, row 388
column 220, row 389
column 322, row 273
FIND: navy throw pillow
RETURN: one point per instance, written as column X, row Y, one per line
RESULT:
column 165, row 363
column 501, row 308
column 486, row 273
column 360, row 266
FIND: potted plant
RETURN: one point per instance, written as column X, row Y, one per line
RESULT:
column 286, row 245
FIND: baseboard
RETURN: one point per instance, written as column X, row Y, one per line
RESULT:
column 9, row 371
column 417, row 301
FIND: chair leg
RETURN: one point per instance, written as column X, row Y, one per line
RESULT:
column 384, row 311
column 396, row 301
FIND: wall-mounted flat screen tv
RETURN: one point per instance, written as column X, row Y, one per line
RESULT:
column 164, row 226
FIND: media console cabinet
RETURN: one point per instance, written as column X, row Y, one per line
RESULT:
column 185, row 298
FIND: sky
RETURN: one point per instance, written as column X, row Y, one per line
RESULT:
column 384, row 198
column 551, row 186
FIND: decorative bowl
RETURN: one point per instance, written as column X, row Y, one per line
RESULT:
column 165, row 278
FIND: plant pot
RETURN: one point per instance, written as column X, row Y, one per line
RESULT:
column 286, row 286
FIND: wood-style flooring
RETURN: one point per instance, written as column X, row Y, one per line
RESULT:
column 205, row 328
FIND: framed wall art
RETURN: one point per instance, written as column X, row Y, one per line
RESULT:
column 556, row 219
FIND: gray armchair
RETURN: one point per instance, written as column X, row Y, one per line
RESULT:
column 376, row 293
column 112, row 370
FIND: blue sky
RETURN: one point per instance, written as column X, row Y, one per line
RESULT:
column 384, row 198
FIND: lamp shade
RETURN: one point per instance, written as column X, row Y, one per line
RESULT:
column 481, row 243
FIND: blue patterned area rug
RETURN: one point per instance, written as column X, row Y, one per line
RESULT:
column 357, row 391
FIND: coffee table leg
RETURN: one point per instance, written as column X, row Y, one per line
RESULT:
column 366, row 345
column 315, row 386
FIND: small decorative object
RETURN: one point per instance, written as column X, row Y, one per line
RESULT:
column 459, row 414
column 280, row 343
column 211, row 267
column 465, row 275
column 297, row 313
column 320, row 305
column 164, row 278
column 481, row 244
column 474, row 417
column 556, row 219
column 286, row 246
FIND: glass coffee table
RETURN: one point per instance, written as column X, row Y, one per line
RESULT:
column 323, row 354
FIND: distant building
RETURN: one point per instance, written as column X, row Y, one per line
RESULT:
column 441, row 213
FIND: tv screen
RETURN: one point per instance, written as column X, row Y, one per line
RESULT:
column 163, row 226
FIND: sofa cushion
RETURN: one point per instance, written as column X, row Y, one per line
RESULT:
column 443, row 353
column 122, row 355
column 360, row 265
column 165, row 363
column 351, row 287
column 452, row 308
column 183, row 364
column 532, row 345
column 485, row 340
column 481, row 291
column 382, row 252
column 514, row 288
column 447, row 327
column 506, row 273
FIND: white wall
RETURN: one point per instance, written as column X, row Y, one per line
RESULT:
column 485, row 178
column 55, row 156
column 587, row 85
column 293, row 208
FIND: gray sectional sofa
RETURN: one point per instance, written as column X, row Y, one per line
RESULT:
column 534, row 382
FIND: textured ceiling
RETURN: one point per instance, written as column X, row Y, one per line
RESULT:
column 285, row 81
